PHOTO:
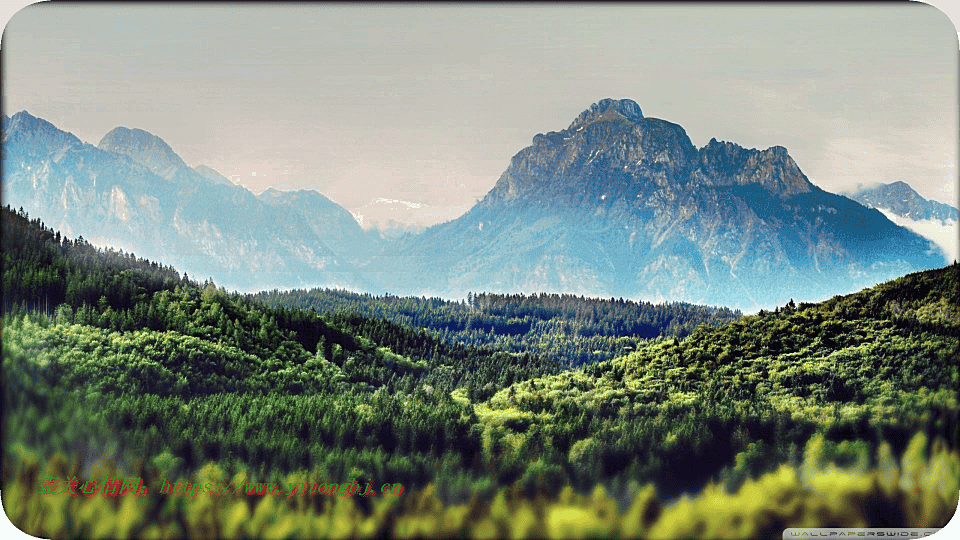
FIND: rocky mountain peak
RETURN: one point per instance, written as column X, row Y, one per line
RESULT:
column 610, row 150
column 35, row 133
column 901, row 199
column 144, row 147
column 609, row 109
column 724, row 163
column 898, row 188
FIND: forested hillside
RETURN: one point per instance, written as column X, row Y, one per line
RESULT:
column 733, row 402
column 110, row 357
column 571, row 329
column 170, row 367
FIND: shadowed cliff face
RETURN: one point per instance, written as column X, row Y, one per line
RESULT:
column 619, row 204
column 726, row 164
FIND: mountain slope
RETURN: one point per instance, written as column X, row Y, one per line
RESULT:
column 212, row 175
column 133, row 192
column 619, row 204
column 327, row 220
column 900, row 199
column 682, row 409
column 144, row 148
column 933, row 220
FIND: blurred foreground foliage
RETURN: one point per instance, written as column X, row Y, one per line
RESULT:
column 921, row 490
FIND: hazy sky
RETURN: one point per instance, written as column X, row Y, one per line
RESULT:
column 428, row 103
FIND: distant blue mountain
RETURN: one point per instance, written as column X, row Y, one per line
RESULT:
column 900, row 199
column 134, row 192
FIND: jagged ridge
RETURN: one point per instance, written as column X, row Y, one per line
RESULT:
column 619, row 204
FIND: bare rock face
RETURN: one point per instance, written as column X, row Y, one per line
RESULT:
column 26, row 135
column 619, row 204
column 725, row 164
column 611, row 143
column 608, row 109
column 900, row 199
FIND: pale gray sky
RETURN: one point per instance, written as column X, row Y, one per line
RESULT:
column 428, row 103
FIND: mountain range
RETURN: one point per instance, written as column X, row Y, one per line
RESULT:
column 616, row 204
column 133, row 191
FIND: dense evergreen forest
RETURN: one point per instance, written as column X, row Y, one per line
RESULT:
column 840, row 413
column 574, row 330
